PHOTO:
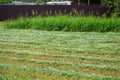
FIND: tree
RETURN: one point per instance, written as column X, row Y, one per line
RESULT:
column 5, row 1
column 113, row 6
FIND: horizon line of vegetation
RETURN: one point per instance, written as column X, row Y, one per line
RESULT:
column 65, row 23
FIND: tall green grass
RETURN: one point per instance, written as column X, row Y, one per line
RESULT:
column 65, row 23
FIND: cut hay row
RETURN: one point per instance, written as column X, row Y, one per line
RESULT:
column 52, row 71
column 92, row 47
column 23, row 52
column 62, row 59
column 11, row 47
column 104, row 67
column 42, row 55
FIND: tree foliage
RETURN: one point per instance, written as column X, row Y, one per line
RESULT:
column 5, row 1
column 113, row 6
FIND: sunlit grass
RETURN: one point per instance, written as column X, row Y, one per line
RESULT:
column 66, row 23
column 49, row 55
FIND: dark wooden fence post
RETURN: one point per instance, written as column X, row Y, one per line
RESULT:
column 14, row 11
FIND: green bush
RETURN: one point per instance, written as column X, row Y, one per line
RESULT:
column 5, row 1
column 113, row 7
column 65, row 23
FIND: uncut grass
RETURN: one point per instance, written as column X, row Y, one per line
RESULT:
column 60, row 66
column 65, row 23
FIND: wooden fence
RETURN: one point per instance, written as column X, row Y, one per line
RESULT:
column 14, row 11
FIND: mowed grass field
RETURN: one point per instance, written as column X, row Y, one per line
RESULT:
column 52, row 55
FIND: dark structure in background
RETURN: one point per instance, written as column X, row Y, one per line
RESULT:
column 95, row 2
column 86, row 2
column 81, row 7
column 14, row 11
